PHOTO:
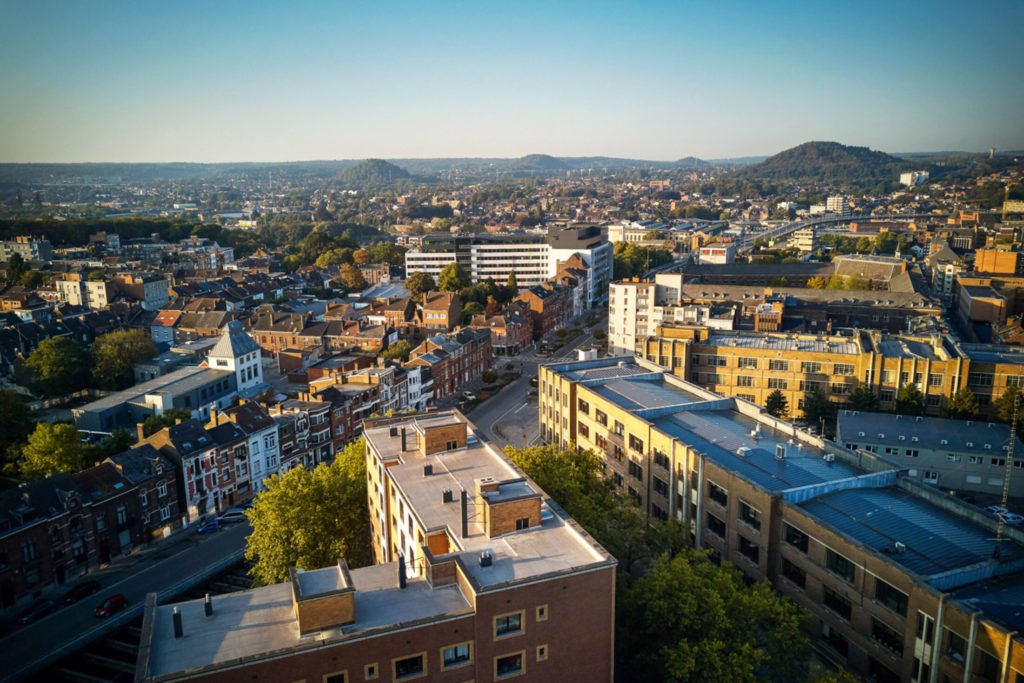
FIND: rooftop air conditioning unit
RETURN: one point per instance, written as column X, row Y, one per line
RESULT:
column 899, row 547
column 914, row 439
column 780, row 451
column 743, row 451
column 944, row 442
column 970, row 444
column 830, row 457
column 486, row 558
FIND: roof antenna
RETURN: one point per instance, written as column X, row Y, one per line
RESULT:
column 1006, row 476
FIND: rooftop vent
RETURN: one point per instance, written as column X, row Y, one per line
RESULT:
column 208, row 605
column 780, row 451
column 486, row 558
column 446, row 496
column 428, row 469
column 176, row 617
column 829, row 457
column 743, row 451
column 944, row 442
column 900, row 548
column 393, row 431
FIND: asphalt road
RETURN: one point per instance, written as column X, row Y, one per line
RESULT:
column 167, row 572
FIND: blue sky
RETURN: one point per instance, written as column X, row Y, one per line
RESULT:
column 263, row 81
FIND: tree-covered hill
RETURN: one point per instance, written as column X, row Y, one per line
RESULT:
column 370, row 173
column 825, row 162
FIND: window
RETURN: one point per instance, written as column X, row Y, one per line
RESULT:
column 542, row 653
column 746, row 363
column 845, row 369
column 887, row 636
column 508, row 624
column 796, row 538
column 660, row 459
column 161, row 490
column 956, row 647
column 523, row 523
column 451, row 445
column 839, row 565
column 835, row 640
column 660, row 487
column 509, row 665
column 143, row 501
column 619, row 428
column 409, row 667
column 989, row 667
column 542, row 613
column 778, row 365
column 891, row 597
column 837, row 603
column 716, row 526
column 813, row 368
column 337, row 677
column 776, row 383
column 583, row 406
column 718, row 494
column 101, row 522
column 744, row 381
column 636, row 471
column 881, row 673
column 979, row 379
column 165, row 513
column 749, row 549
column 456, row 655
column 122, row 514
column 935, row 380
column 885, row 395
column 925, row 627
column 636, row 444
column 751, row 516
column 28, row 551
column 794, row 573
column 601, row 418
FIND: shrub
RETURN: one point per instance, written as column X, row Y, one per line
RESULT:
column 489, row 377
column 600, row 334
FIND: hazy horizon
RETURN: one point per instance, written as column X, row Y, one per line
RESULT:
column 232, row 82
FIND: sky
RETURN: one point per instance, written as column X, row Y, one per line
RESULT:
column 283, row 81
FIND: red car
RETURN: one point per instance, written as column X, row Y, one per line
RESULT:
column 115, row 603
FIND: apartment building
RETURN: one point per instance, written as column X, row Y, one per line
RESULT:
column 838, row 204
column 29, row 248
column 453, row 359
column 753, row 365
column 476, row 577
column 901, row 582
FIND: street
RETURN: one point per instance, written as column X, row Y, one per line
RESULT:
column 166, row 570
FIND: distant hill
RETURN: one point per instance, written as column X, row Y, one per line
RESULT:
column 823, row 162
column 370, row 173
column 538, row 162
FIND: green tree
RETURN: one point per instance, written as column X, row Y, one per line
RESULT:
column 817, row 407
column 691, row 620
column 291, row 263
column 512, row 284
column 309, row 518
column 1005, row 404
column 114, row 356
column 400, row 350
column 780, row 281
column 170, row 417
column 469, row 310
column 817, row 283
column 963, row 405
column 352, row 278
column 15, row 268
column 453, row 278
column 909, row 400
column 836, row 282
column 776, row 404
column 418, row 284
column 51, row 449
column 361, row 256
column 15, row 420
column 862, row 399
column 59, row 365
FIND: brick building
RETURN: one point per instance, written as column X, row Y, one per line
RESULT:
column 454, row 359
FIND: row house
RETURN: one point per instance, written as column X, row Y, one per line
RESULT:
column 276, row 331
column 395, row 312
column 439, row 312
column 304, row 433
column 551, row 305
column 261, row 431
column 54, row 530
column 511, row 331
column 393, row 382
column 154, row 479
column 350, row 405
column 454, row 359
column 191, row 326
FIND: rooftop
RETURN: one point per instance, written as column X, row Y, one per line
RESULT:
column 788, row 343
column 181, row 381
column 933, row 433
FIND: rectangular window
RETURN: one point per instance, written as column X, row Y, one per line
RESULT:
column 636, row 471
column 796, row 538
column 509, row 665
column 718, row 494
column 794, row 573
column 636, row 444
column 956, row 647
column 813, row 368
column 887, row 636
column 660, row 487
column 744, row 381
column 583, row 430
column 748, row 549
column 979, row 379
column 935, row 380
column 746, row 363
column 891, row 597
column 845, row 369
column 338, row 677
column 835, row 639
column 885, row 395
column 716, row 526
column 508, row 624
column 457, row 655
column 778, row 365
column 837, row 603
column 750, row 515
column 989, row 667
column 619, row 428
column 839, row 565
column 774, row 383
column 410, row 667
column 660, row 459
column 601, row 418
column 583, row 406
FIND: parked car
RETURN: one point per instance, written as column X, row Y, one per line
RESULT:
column 114, row 603
column 82, row 590
column 468, row 396
column 37, row 610
column 232, row 515
column 208, row 527
column 1006, row 515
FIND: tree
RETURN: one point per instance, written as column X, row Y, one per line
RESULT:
column 1005, row 404
column 963, row 405
column 114, row 356
column 51, row 449
column 909, row 400
column 453, row 278
column 418, row 284
column 863, row 399
column 352, row 278
column 59, row 365
column 15, row 268
column 361, row 256
column 469, row 310
column 691, row 620
column 400, row 350
column 836, row 282
column 309, row 518
column 512, row 284
column 817, row 407
column 169, row 418
column 15, row 420
column 817, row 283
column 776, row 404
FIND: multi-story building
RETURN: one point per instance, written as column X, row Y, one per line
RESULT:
column 551, row 306
column 155, row 482
column 901, row 582
column 914, row 178
column 29, row 248
column 454, row 359
column 263, row 444
column 150, row 290
column 477, row 577
column 633, row 231
column 303, row 432
column 511, row 332
column 838, row 205
column 76, row 290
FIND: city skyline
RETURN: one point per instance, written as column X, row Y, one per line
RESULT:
column 660, row 81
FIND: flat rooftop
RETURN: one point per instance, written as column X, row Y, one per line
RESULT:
column 183, row 380
column 908, row 348
column 936, row 540
column 647, row 391
column 254, row 622
column 808, row 344
column 1001, row 599
column 993, row 353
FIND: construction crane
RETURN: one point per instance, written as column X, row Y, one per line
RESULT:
column 1001, row 517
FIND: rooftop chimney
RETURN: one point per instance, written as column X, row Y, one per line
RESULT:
column 208, row 605
column 428, row 469
column 401, row 571
column 176, row 616
column 446, row 496
column 465, row 513
column 403, row 439
column 140, row 432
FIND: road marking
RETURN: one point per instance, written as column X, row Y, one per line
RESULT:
column 522, row 406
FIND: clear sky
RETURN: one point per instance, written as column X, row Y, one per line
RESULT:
column 276, row 81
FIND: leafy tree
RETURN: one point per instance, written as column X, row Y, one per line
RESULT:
column 51, row 449
column 352, row 278
column 781, row 281
column 963, row 405
column 386, row 252
column 836, row 282
column 309, row 518
column 400, row 350
column 776, row 404
column 1005, row 404
column 858, row 283
column 291, row 263
column 361, row 256
column 119, row 441
column 169, row 418
column 114, row 356
column 15, row 268
column 817, row 283
column 418, row 284
column 817, row 407
column 453, row 278
column 863, row 399
column 59, row 365
column 512, row 284
column 469, row 310
column 909, row 400
column 15, row 420
column 691, row 620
